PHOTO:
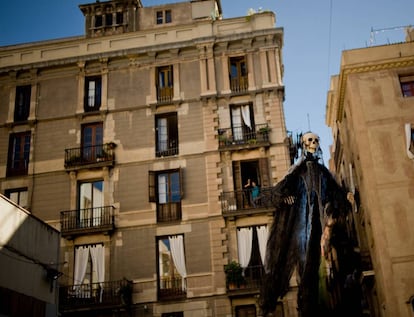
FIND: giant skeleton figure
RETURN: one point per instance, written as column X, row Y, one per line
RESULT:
column 303, row 201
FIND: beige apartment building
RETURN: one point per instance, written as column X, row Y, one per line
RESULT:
column 136, row 141
column 370, row 110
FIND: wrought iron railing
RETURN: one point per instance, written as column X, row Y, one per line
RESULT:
column 87, row 155
column 169, row 212
column 171, row 287
column 239, row 200
column 241, row 135
column 167, row 148
column 95, row 295
column 98, row 218
column 251, row 278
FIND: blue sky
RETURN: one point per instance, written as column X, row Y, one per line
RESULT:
column 315, row 34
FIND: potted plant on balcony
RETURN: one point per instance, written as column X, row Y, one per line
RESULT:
column 234, row 275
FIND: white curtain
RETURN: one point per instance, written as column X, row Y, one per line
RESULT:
column 177, row 253
column 237, row 124
column 262, row 234
column 81, row 262
column 244, row 244
column 245, row 111
column 408, row 138
column 98, row 264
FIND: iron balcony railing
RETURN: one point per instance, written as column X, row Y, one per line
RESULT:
column 242, row 200
column 169, row 212
column 251, row 279
column 171, row 288
column 87, row 220
column 88, row 155
column 243, row 136
column 110, row 294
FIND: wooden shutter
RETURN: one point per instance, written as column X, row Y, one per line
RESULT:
column 181, row 171
column 237, row 176
column 152, row 192
column 264, row 172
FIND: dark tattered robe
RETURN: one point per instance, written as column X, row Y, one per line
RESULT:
column 302, row 200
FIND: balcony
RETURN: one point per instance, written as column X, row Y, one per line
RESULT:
column 87, row 221
column 165, row 94
column 239, row 84
column 90, row 156
column 250, row 282
column 241, row 137
column 240, row 202
column 95, row 296
column 171, row 288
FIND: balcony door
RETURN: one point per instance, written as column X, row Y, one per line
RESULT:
column 242, row 123
column 92, row 139
column 91, row 201
column 246, row 172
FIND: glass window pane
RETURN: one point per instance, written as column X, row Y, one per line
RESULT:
column 162, row 188
column 175, row 187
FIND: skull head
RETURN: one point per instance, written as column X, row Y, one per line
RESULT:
column 310, row 142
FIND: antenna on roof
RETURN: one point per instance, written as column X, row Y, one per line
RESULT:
column 376, row 31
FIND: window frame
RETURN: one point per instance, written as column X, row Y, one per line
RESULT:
column 176, row 289
column 168, row 207
column 90, row 215
column 93, row 148
column 238, row 73
column 163, row 16
column 22, row 150
column 164, row 83
column 22, row 103
column 8, row 193
column 92, row 95
column 407, row 85
column 166, row 135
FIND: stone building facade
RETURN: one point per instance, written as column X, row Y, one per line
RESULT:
column 137, row 141
column 370, row 112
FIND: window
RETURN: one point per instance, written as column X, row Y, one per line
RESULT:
column 98, row 21
column 251, row 245
column 164, row 83
column 238, row 74
column 92, row 139
column 163, row 17
column 242, row 122
column 18, row 195
column 407, row 85
column 19, row 151
column 108, row 19
column 246, row 311
column 166, row 134
column 165, row 189
column 22, row 103
column 172, row 272
column 93, row 90
column 256, row 171
column 89, row 270
column 119, row 18
column 91, row 204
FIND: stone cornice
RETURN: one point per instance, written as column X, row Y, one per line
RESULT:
column 67, row 51
column 346, row 71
